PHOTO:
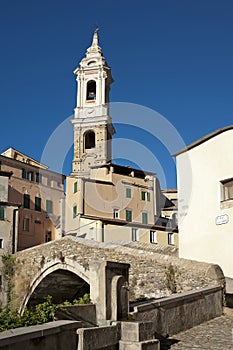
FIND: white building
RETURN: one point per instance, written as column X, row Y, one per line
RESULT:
column 205, row 199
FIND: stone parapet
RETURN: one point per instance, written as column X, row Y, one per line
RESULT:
column 182, row 311
column 136, row 331
column 52, row 335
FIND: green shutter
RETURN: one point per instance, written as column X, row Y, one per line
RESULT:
column 143, row 195
column 38, row 178
column 144, row 218
column 75, row 187
column 128, row 192
column 24, row 174
column 26, row 201
column 2, row 213
column 128, row 214
column 37, row 204
column 49, row 206
column 74, row 211
column 148, row 196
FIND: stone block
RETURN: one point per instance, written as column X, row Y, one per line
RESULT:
column 137, row 331
column 153, row 344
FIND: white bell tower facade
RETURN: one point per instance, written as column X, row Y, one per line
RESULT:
column 92, row 124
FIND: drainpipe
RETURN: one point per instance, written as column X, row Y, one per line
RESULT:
column 14, row 248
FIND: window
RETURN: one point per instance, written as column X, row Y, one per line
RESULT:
column 75, row 187
column 134, row 234
column 91, row 90
column 24, row 174
column 143, row 195
column 74, row 211
column 128, row 192
column 26, row 224
column 1, row 243
column 128, row 215
column 227, row 190
column 27, row 175
column 89, row 140
column 26, row 201
column 48, row 236
column 49, row 207
column 170, row 238
column 116, row 213
column 30, row 176
column 37, row 203
column 38, row 178
column 144, row 218
column 2, row 213
column 153, row 237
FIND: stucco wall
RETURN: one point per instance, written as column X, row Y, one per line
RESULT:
column 200, row 171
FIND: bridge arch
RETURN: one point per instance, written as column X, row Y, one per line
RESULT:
column 67, row 271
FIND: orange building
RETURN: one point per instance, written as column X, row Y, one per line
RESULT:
column 40, row 194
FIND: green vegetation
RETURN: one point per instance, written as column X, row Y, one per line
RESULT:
column 42, row 313
column 8, row 261
column 85, row 299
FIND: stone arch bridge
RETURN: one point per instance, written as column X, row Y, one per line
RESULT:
column 69, row 267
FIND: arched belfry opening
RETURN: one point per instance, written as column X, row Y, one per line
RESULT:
column 89, row 140
column 91, row 90
column 61, row 285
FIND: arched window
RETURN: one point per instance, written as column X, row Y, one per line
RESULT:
column 91, row 90
column 89, row 140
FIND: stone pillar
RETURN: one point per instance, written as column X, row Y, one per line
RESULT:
column 109, row 290
column 138, row 336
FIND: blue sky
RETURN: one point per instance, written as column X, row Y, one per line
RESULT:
column 173, row 56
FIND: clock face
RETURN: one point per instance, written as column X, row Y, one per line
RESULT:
column 90, row 112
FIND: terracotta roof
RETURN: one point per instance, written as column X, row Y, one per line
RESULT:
column 131, row 223
column 203, row 139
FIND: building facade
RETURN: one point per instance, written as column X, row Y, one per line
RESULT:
column 205, row 200
column 39, row 193
column 106, row 201
column 8, row 217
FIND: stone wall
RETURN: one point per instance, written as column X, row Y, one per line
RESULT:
column 181, row 311
column 99, row 338
column 86, row 314
column 57, row 335
column 163, row 317
column 62, row 335
column 150, row 266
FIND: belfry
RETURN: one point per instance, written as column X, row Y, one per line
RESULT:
column 92, row 124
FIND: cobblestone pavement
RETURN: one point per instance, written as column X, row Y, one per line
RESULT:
column 216, row 334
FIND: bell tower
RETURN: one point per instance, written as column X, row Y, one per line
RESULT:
column 92, row 124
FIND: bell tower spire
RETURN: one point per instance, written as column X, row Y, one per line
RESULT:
column 95, row 41
column 92, row 124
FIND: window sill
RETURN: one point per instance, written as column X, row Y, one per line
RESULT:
column 226, row 204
